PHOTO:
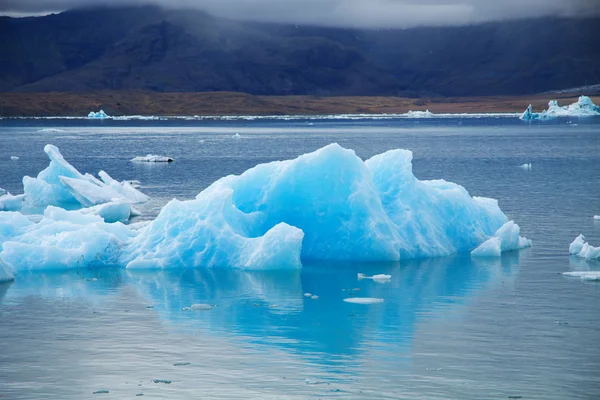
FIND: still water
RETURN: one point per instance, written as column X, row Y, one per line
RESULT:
column 450, row 328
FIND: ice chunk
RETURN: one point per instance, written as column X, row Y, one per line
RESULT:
column 526, row 166
column 5, row 272
column 307, row 294
column 420, row 114
column 583, row 107
column 314, row 297
column 153, row 158
column 376, row 278
column 116, row 211
column 2, row 192
column 506, row 238
column 363, row 300
column 582, row 249
column 237, row 136
column 14, row 158
column 198, row 307
column 584, row 275
column 596, row 217
column 8, row 202
column 50, row 130
column 60, row 184
column 97, row 115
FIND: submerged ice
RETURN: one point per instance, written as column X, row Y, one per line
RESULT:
column 583, row 107
column 325, row 205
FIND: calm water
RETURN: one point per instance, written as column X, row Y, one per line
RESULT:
column 450, row 328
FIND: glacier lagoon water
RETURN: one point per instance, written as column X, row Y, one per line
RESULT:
column 451, row 327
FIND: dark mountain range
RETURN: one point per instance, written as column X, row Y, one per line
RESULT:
column 149, row 48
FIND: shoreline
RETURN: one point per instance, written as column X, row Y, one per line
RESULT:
column 207, row 105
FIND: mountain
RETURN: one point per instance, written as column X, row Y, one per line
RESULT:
column 150, row 48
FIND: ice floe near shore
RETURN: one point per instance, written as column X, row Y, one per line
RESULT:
column 97, row 115
column 580, row 248
column 153, row 158
column 325, row 205
column 582, row 108
column 60, row 184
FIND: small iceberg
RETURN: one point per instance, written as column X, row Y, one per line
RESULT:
column 14, row 158
column 60, row 184
column 237, row 136
column 584, row 107
column 377, row 278
column 596, row 217
column 584, row 275
column 505, row 239
column 115, row 211
column 153, row 158
column 420, row 114
column 8, row 202
column 50, row 130
column 580, row 248
column 363, row 300
column 526, row 167
column 97, row 115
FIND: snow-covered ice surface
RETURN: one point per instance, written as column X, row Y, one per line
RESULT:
column 60, row 184
column 153, row 158
column 506, row 238
column 580, row 248
column 584, row 107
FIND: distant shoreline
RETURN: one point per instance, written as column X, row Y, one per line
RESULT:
column 222, row 104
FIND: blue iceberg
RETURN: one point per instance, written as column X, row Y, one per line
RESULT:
column 97, row 115
column 584, row 107
column 325, row 205
column 60, row 184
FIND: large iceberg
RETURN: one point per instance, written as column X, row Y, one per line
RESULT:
column 326, row 205
column 583, row 107
column 60, row 184
column 580, row 248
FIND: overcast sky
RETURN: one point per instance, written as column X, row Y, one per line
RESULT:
column 360, row 13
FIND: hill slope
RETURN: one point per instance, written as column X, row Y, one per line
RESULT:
column 148, row 48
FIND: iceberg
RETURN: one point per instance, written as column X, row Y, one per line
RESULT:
column 584, row 275
column 116, row 211
column 14, row 158
column 381, row 278
column 526, row 167
column 60, row 184
column 420, row 114
column 97, row 115
column 580, row 248
column 237, row 136
column 505, row 239
column 596, row 217
column 325, row 205
column 363, row 300
column 582, row 108
column 152, row 158
column 8, row 202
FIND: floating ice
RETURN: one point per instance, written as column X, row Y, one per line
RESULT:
column 152, row 158
column 97, row 115
column 14, row 158
column 526, row 166
column 237, row 136
column 60, row 184
column 8, row 202
column 596, row 217
column 314, row 297
column 198, row 307
column 307, row 294
column 363, row 300
column 420, row 114
column 5, row 272
column 582, row 249
column 584, row 275
column 116, row 211
column 506, row 238
column 583, row 107
column 50, row 130
column 62, row 239
column 2, row 192
column 376, row 278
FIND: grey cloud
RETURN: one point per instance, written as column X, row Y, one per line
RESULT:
column 359, row 13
